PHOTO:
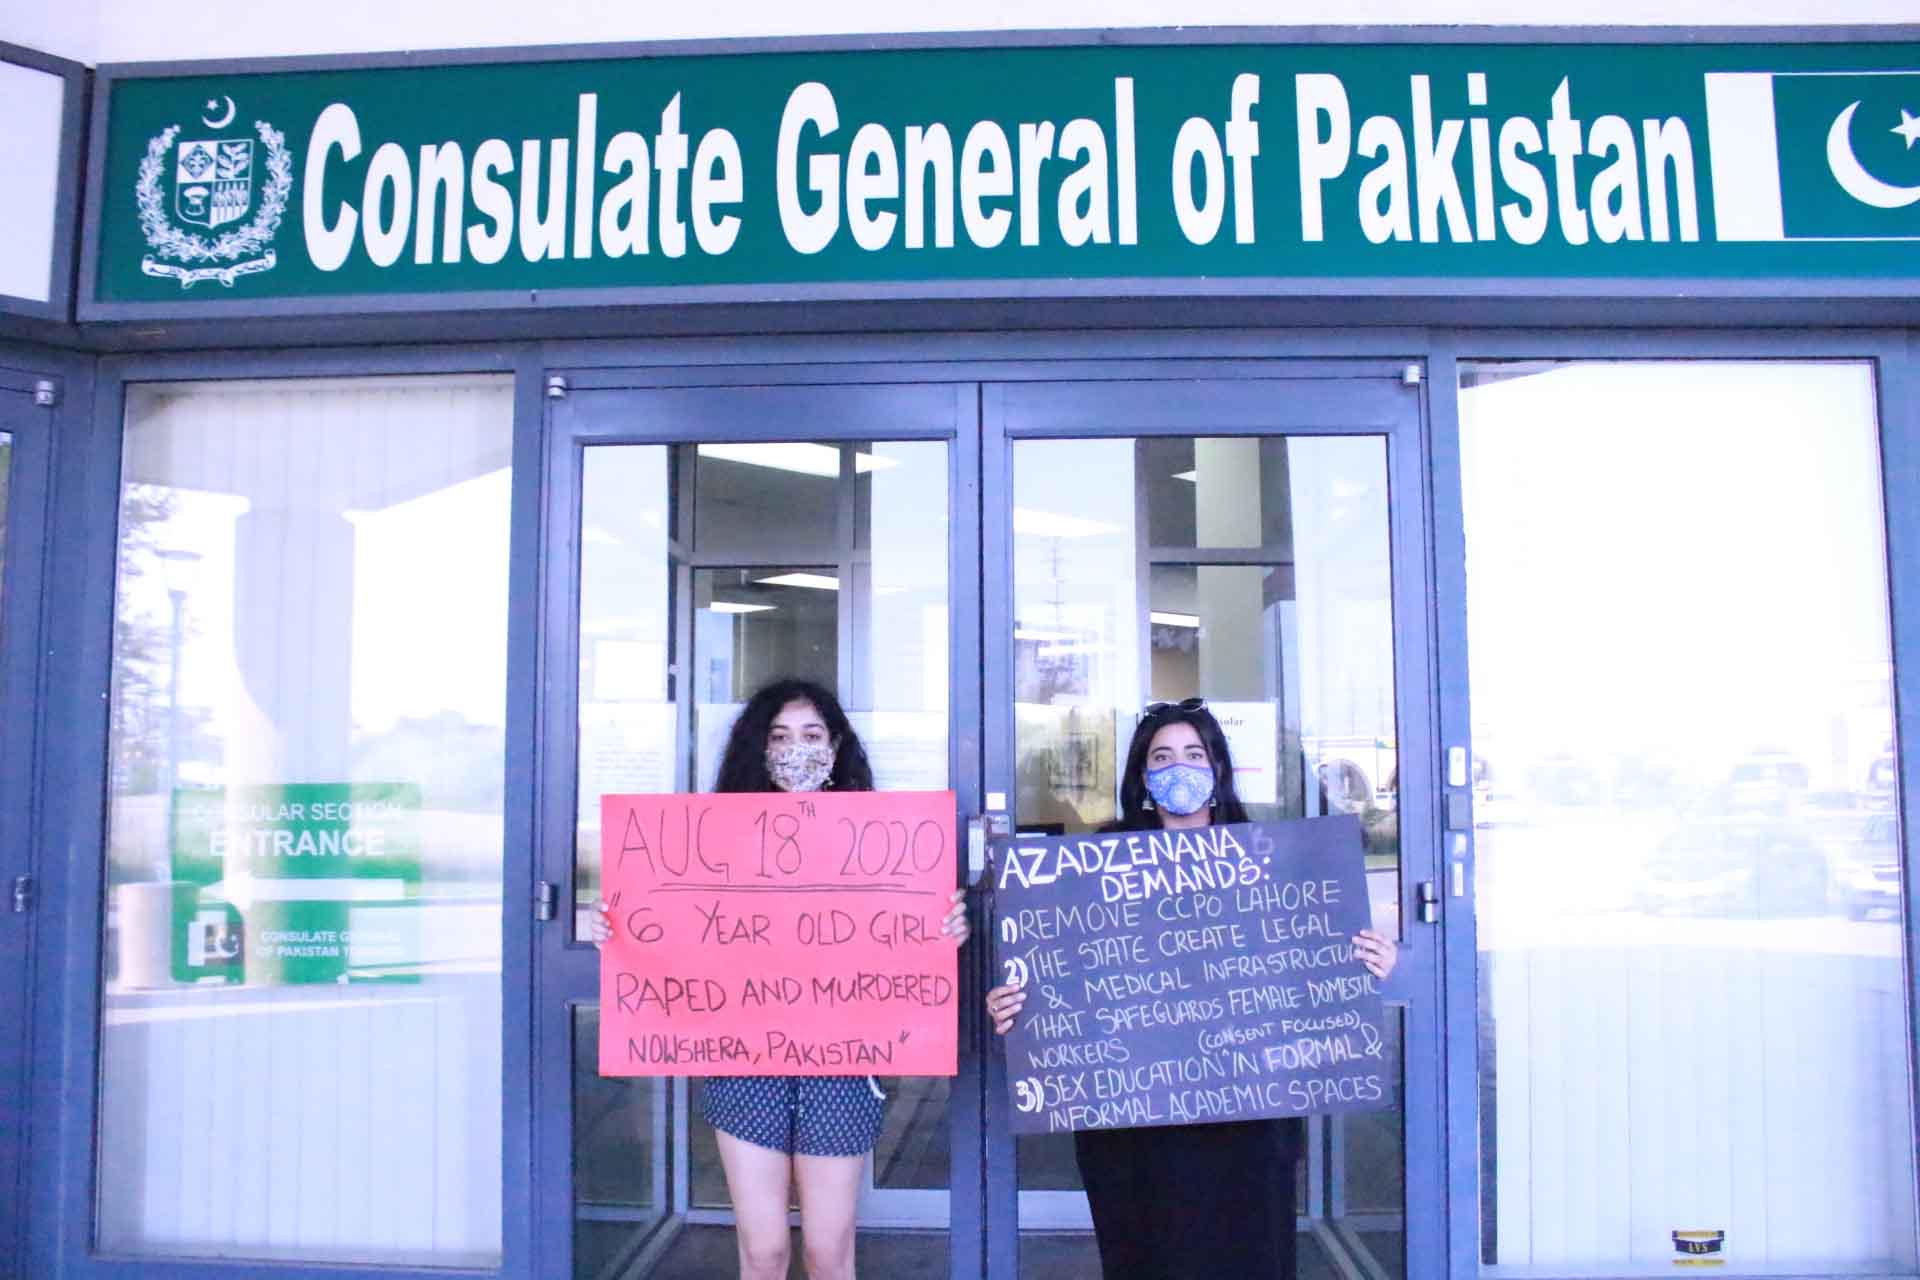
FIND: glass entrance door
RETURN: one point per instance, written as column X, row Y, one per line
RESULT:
column 1257, row 543
column 719, row 538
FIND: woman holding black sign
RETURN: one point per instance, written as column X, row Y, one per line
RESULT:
column 778, row 1131
column 1178, row 1201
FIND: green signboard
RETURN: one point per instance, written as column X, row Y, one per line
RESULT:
column 770, row 174
column 300, row 883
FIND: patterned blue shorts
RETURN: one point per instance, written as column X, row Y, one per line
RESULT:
column 800, row 1115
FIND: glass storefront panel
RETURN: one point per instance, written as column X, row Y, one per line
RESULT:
column 300, row 1031
column 1253, row 572
column 1693, row 1009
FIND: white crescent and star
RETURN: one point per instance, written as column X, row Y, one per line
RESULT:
column 213, row 105
column 1853, row 177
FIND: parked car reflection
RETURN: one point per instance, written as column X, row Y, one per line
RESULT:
column 1867, row 876
column 1736, row 866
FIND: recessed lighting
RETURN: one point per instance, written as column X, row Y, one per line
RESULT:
column 1174, row 619
column 816, row 581
column 732, row 606
column 1028, row 633
column 795, row 455
column 1191, row 477
column 1062, row 650
column 1051, row 524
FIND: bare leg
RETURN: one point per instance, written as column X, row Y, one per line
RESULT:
column 829, row 1195
column 757, row 1181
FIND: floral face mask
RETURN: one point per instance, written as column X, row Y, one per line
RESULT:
column 800, row 766
column 1180, row 788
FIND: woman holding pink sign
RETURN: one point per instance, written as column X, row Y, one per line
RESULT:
column 1191, row 1201
column 776, row 1132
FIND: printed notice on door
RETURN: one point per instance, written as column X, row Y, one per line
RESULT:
column 773, row 934
column 1188, row 977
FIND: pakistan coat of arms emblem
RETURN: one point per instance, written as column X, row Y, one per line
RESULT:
column 215, row 183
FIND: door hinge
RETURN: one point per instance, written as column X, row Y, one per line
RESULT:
column 1427, row 899
column 22, row 894
column 556, row 386
column 1411, row 375
column 46, row 393
column 546, row 900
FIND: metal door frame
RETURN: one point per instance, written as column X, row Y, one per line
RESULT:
column 26, row 418
column 1251, row 398
column 741, row 404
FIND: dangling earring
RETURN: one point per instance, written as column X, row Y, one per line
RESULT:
column 1146, row 803
column 1211, row 802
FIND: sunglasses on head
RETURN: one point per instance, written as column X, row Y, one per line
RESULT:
column 1185, row 704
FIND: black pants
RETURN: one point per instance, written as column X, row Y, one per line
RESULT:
column 1204, row 1201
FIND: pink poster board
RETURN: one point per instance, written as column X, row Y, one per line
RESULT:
column 773, row 934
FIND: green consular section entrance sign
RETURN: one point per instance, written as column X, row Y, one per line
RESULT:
column 298, row 883
column 1242, row 162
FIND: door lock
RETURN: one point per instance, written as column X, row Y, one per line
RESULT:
column 1427, row 899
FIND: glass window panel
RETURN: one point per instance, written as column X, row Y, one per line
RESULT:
column 622, row 1155
column 629, row 729
column 305, row 823
column 34, row 101
column 1692, row 994
column 1218, row 492
column 783, row 492
column 753, row 626
column 901, row 627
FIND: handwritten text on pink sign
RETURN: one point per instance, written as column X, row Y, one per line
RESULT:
column 773, row 934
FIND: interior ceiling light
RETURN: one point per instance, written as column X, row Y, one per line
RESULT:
column 1051, row 524
column 816, row 581
column 734, row 606
column 1191, row 477
column 1166, row 619
column 1028, row 633
column 795, row 455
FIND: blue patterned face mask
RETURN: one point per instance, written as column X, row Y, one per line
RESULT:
column 1180, row 788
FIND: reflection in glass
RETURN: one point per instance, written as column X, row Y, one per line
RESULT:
column 300, row 1032
column 622, row 1155
column 743, row 493
column 1692, row 994
column 628, row 727
column 1253, row 572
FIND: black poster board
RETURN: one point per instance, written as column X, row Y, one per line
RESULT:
column 1188, row 977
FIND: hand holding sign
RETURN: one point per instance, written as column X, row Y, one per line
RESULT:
column 776, row 933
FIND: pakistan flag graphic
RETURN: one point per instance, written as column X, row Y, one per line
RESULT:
column 1815, row 155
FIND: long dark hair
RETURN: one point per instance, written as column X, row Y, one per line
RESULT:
column 1135, row 811
column 743, row 765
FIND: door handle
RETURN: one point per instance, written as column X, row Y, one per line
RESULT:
column 980, row 829
column 1427, row 900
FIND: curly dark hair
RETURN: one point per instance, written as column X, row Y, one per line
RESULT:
column 1135, row 813
column 743, row 765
